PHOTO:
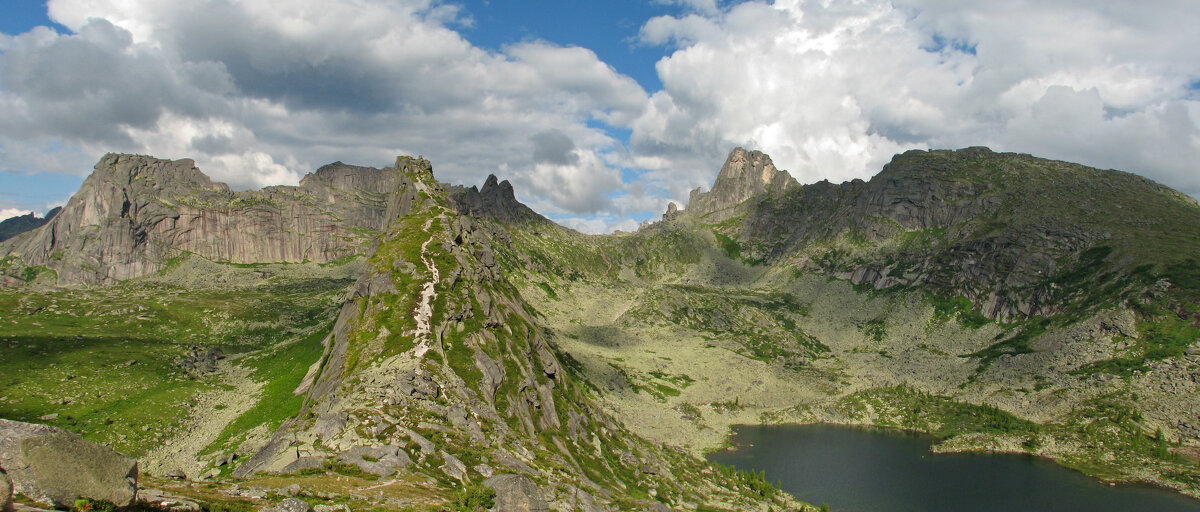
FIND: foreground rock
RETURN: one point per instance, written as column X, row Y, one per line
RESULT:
column 291, row 505
column 164, row 501
column 55, row 467
column 516, row 493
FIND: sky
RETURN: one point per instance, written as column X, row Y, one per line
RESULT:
column 600, row 113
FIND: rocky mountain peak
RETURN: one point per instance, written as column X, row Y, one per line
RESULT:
column 496, row 200
column 502, row 190
column 745, row 175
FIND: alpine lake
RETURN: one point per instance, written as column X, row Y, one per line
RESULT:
column 862, row 469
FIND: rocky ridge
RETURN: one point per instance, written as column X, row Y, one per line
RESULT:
column 469, row 388
column 993, row 227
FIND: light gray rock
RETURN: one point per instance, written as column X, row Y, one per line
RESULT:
column 164, row 501
column 516, row 493
column 484, row 470
column 454, row 467
column 55, row 467
column 653, row 506
column 746, row 174
column 425, row 445
column 380, row 460
column 303, row 463
column 293, row 505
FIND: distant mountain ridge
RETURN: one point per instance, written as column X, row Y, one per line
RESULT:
column 994, row 227
column 14, row 226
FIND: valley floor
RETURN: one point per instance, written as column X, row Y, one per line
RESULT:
column 680, row 368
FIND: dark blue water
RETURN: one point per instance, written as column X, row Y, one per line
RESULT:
column 867, row 470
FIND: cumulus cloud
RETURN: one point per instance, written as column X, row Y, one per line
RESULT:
column 598, row 225
column 290, row 85
column 833, row 89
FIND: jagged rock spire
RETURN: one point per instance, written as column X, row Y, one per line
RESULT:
column 745, row 175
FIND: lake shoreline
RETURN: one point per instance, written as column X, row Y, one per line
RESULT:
column 751, row 444
column 940, row 445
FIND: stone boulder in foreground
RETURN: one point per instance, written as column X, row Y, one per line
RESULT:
column 55, row 467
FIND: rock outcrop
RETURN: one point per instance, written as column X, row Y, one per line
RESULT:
column 745, row 175
column 291, row 505
column 516, row 493
column 495, row 200
column 55, row 467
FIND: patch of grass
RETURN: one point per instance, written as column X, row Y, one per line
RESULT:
column 906, row 407
column 683, row 381
column 549, row 291
column 1159, row 339
column 474, row 497
column 281, row 372
column 959, row 308
column 875, row 329
column 731, row 247
column 1014, row 345
column 105, row 360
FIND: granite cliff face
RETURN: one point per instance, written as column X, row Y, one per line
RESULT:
column 134, row 212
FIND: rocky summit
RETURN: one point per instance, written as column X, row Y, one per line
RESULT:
column 373, row 338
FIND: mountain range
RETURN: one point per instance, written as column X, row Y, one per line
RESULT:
column 378, row 336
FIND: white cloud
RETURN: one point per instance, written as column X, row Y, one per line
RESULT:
column 290, row 85
column 828, row 89
column 598, row 225
column 833, row 89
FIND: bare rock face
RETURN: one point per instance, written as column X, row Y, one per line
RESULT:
column 516, row 493
column 55, row 467
column 134, row 212
column 746, row 174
